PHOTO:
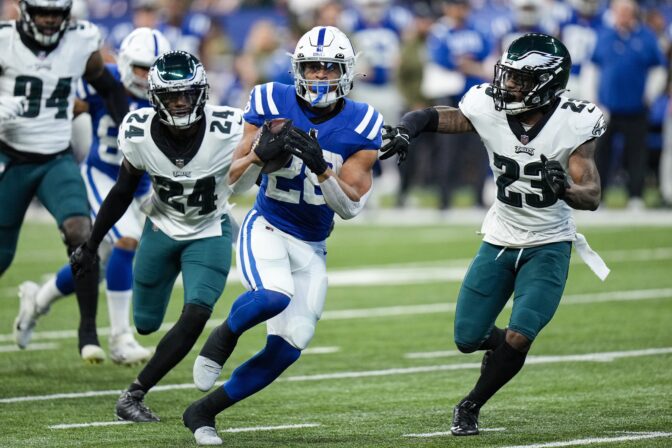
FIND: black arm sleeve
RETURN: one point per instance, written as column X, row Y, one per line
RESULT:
column 114, row 206
column 425, row 120
column 113, row 93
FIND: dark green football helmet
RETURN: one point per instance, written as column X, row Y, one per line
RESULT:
column 178, row 88
column 532, row 72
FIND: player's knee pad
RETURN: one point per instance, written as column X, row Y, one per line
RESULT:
column 299, row 332
column 254, row 307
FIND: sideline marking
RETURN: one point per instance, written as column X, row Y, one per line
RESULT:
column 594, row 440
column 588, row 357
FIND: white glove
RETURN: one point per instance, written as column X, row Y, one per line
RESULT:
column 11, row 107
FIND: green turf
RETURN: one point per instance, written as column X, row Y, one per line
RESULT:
column 547, row 402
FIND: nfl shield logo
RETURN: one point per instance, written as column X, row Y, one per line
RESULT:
column 524, row 139
column 179, row 163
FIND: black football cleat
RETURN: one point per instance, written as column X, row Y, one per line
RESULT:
column 465, row 419
column 486, row 356
column 131, row 407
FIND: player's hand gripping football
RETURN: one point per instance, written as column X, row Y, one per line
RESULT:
column 82, row 260
column 271, row 142
column 11, row 107
column 555, row 176
column 398, row 140
column 306, row 147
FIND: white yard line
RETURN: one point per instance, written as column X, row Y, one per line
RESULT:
column 400, row 310
column 447, row 433
column 429, row 355
column 32, row 347
column 271, row 428
column 320, row 350
column 595, row 440
column 451, row 270
column 87, row 425
column 230, row 430
column 590, row 357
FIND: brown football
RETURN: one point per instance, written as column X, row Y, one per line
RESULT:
column 284, row 157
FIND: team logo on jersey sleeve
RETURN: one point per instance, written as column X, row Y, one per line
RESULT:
column 600, row 127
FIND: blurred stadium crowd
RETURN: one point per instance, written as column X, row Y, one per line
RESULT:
column 420, row 53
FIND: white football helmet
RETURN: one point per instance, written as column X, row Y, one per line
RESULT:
column 326, row 45
column 528, row 12
column 45, row 36
column 586, row 7
column 140, row 48
column 178, row 76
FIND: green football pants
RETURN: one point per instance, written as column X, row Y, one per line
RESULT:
column 204, row 264
column 536, row 277
column 57, row 184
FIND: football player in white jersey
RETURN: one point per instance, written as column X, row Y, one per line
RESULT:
column 332, row 146
column 138, row 52
column 186, row 146
column 44, row 54
column 541, row 147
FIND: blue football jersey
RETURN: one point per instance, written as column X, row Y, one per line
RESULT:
column 290, row 198
column 103, row 153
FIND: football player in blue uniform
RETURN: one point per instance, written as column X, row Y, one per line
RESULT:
column 138, row 52
column 281, row 251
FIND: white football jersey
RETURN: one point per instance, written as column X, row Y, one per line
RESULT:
column 48, row 81
column 526, row 213
column 189, row 196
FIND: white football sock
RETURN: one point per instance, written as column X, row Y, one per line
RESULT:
column 119, row 306
column 46, row 296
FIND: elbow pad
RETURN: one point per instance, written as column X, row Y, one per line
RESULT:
column 339, row 202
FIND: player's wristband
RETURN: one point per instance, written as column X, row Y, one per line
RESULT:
column 425, row 120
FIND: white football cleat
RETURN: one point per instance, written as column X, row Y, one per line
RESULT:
column 206, row 371
column 92, row 354
column 207, row 435
column 24, row 324
column 124, row 349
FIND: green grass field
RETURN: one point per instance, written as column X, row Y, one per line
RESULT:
column 383, row 366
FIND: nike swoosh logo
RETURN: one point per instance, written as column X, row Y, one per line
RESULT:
column 591, row 109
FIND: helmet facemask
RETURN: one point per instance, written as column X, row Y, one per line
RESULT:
column 178, row 89
column 321, row 92
column 531, row 74
column 328, row 50
column 45, row 35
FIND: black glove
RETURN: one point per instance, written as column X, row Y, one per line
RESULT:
column 555, row 176
column 271, row 141
column 399, row 139
column 306, row 148
column 82, row 260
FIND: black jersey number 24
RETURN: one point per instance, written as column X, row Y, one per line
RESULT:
column 511, row 174
column 203, row 195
